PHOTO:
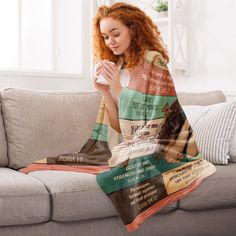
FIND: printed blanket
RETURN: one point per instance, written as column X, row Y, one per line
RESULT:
column 157, row 162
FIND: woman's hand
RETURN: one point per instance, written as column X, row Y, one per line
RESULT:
column 111, row 73
column 103, row 89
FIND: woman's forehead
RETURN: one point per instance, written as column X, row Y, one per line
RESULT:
column 109, row 24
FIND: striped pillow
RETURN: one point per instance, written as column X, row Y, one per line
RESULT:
column 213, row 126
column 232, row 151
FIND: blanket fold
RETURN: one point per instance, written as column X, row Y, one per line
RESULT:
column 157, row 163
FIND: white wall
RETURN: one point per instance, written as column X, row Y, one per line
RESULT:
column 212, row 47
column 212, row 54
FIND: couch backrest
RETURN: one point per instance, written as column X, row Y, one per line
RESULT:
column 40, row 123
column 201, row 98
column 50, row 123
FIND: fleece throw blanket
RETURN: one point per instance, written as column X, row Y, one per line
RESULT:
column 157, row 162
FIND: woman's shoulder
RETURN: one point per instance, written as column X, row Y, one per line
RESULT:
column 156, row 58
column 151, row 55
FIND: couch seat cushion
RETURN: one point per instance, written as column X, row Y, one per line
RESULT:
column 218, row 190
column 23, row 199
column 77, row 196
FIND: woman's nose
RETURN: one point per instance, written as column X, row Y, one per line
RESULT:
column 111, row 41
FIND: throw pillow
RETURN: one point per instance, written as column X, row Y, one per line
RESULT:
column 232, row 151
column 213, row 126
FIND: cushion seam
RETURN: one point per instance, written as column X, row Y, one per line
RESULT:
column 204, row 204
column 41, row 195
column 24, row 218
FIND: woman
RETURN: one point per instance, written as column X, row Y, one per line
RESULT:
column 158, row 162
column 125, row 32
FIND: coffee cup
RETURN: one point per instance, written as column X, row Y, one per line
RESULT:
column 100, row 79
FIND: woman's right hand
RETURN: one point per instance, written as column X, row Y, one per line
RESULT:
column 103, row 89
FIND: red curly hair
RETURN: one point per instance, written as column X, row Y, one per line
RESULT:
column 145, row 34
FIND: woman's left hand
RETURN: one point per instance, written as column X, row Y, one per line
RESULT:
column 111, row 73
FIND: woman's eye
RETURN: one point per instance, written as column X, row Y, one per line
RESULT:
column 116, row 35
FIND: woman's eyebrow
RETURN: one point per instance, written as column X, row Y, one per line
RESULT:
column 110, row 30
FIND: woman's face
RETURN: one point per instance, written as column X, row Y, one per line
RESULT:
column 116, row 35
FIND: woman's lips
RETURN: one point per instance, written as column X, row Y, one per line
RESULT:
column 114, row 48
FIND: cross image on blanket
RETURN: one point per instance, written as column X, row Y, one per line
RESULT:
column 158, row 161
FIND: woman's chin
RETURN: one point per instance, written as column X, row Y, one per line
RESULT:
column 117, row 52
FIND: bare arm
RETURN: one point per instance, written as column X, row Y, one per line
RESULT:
column 112, row 111
column 110, row 92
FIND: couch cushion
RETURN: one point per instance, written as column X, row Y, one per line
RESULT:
column 46, row 123
column 213, row 128
column 218, row 190
column 23, row 199
column 201, row 98
column 77, row 196
column 3, row 143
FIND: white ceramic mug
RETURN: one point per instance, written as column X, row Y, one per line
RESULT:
column 100, row 79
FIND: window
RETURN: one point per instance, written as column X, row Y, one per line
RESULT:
column 45, row 36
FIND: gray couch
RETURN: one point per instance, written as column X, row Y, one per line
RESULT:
column 34, row 124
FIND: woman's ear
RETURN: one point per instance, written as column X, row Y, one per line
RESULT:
column 132, row 29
